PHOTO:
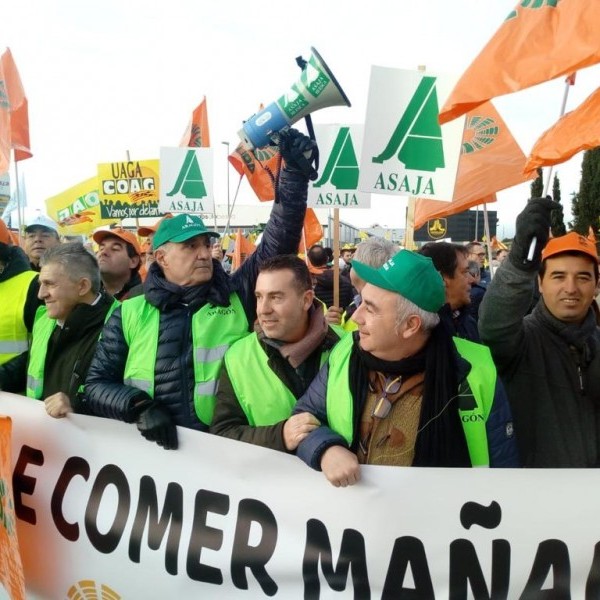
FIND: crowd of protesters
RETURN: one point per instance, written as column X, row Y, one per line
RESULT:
column 431, row 358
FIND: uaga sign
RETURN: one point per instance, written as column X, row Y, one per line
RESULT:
column 99, row 508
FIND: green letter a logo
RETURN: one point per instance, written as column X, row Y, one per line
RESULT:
column 418, row 135
column 189, row 181
column 342, row 166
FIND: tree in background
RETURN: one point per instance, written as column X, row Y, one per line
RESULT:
column 537, row 185
column 586, row 203
column 557, row 223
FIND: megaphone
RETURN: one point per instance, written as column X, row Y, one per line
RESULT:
column 317, row 88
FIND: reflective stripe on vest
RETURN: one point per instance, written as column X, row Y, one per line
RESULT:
column 42, row 331
column 480, row 397
column 264, row 398
column 14, row 337
column 12, row 347
column 481, row 390
column 214, row 329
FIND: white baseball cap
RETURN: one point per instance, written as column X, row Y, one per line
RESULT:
column 41, row 220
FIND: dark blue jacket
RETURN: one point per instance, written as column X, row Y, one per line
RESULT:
column 105, row 393
column 501, row 439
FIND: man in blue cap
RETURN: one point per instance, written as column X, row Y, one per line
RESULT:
column 401, row 390
column 159, row 359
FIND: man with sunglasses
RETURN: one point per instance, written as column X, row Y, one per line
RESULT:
column 402, row 391
column 476, row 252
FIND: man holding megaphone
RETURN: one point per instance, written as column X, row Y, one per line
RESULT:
column 160, row 356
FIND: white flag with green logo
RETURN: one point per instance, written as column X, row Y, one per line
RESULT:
column 186, row 180
column 405, row 150
column 339, row 158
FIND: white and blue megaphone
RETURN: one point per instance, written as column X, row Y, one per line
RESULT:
column 317, row 88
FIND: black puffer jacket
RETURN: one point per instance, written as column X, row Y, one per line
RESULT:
column 105, row 393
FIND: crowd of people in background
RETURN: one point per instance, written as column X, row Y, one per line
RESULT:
column 435, row 357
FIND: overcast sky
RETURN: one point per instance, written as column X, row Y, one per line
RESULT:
column 104, row 78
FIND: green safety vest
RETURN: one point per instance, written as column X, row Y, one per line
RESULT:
column 14, row 337
column 481, row 382
column 42, row 330
column 214, row 329
column 348, row 324
column 264, row 398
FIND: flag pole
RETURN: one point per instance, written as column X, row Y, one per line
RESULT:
column 547, row 184
column 562, row 112
column 20, row 207
column 230, row 210
column 336, row 257
column 486, row 231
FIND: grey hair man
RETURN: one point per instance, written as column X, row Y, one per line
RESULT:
column 373, row 252
column 65, row 332
column 401, row 391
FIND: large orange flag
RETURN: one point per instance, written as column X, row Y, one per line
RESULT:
column 490, row 161
column 14, row 120
column 312, row 231
column 576, row 131
column 242, row 250
column 259, row 166
column 196, row 134
column 537, row 42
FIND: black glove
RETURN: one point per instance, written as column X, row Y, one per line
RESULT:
column 533, row 221
column 154, row 422
column 298, row 151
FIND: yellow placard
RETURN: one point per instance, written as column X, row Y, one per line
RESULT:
column 129, row 189
column 77, row 210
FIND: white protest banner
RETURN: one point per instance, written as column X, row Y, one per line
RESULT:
column 337, row 184
column 186, row 176
column 99, row 507
column 405, row 151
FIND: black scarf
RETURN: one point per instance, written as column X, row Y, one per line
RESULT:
column 164, row 295
column 578, row 335
column 441, row 440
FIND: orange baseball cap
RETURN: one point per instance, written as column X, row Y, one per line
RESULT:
column 146, row 230
column 5, row 236
column 120, row 233
column 571, row 242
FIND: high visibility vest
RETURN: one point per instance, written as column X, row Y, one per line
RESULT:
column 348, row 324
column 264, row 398
column 14, row 337
column 214, row 329
column 42, row 331
column 481, row 388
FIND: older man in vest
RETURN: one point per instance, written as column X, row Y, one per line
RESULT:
column 159, row 360
column 18, row 298
column 65, row 332
column 267, row 371
column 401, row 391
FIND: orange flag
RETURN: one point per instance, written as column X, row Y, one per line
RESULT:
column 312, row 231
column 241, row 251
column 537, row 42
column 576, row 131
column 11, row 567
column 490, row 161
column 14, row 120
column 196, row 134
column 496, row 244
column 259, row 166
